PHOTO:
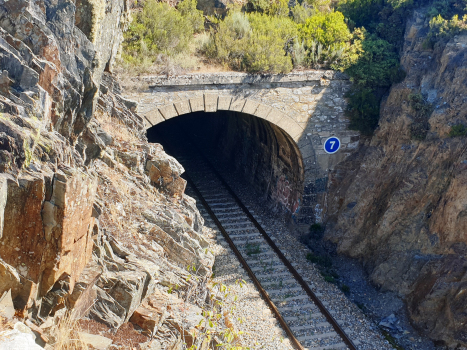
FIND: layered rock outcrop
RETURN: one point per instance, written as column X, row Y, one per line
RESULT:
column 93, row 219
column 399, row 204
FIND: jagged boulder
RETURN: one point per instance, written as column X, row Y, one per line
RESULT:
column 68, row 224
column 160, row 306
column 164, row 172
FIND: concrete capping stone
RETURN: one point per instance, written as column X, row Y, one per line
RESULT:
column 210, row 102
column 237, row 105
column 182, row 107
column 250, row 107
column 223, row 103
column 154, row 117
column 262, row 111
column 229, row 78
column 197, row 104
column 168, row 111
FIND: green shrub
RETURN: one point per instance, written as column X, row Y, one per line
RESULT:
column 441, row 28
column 361, row 12
column 328, row 278
column 240, row 24
column 419, row 104
column 228, row 41
column 157, row 29
column 266, row 50
column 458, row 130
column 301, row 13
column 328, row 41
column 419, row 129
column 316, row 231
column 447, row 8
column 363, row 110
column 325, row 28
column 321, row 260
column 252, row 249
column 268, row 7
column 261, row 6
column 377, row 66
column 392, row 24
column 345, row 288
column 187, row 9
column 279, row 8
column 253, row 42
column 319, row 5
column 298, row 53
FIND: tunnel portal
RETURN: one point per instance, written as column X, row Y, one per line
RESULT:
column 299, row 108
column 252, row 149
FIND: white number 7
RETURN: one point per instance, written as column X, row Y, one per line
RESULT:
column 332, row 144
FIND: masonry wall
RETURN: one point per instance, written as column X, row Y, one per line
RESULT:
column 254, row 150
column 311, row 102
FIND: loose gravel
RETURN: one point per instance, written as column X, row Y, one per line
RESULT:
column 250, row 313
column 362, row 321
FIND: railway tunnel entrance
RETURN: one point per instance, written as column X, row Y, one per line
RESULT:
column 252, row 150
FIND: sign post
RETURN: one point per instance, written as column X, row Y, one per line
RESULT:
column 332, row 145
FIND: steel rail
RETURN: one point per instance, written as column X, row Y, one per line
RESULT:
column 274, row 247
column 251, row 274
column 281, row 256
column 296, row 343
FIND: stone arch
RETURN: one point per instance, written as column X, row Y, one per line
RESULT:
column 211, row 102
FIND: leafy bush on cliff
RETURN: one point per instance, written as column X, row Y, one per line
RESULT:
column 187, row 9
column 458, row 130
column 377, row 66
column 385, row 18
column 259, row 42
column 329, row 42
column 301, row 13
column 253, row 42
column 447, row 8
column 442, row 29
column 363, row 110
column 271, row 8
column 325, row 28
column 161, row 29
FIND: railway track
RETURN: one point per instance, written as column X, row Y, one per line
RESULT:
column 302, row 315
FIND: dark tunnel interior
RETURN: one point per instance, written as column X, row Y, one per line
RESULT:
column 251, row 149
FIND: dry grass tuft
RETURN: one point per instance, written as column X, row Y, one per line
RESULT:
column 125, row 200
column 66, row 334
column 119, row 131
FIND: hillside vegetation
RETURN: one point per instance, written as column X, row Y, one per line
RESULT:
column 360, row 37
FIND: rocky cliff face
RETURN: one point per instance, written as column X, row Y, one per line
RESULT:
column 93, row 219
column 399, row 204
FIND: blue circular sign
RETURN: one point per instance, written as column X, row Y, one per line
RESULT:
column 332, row 145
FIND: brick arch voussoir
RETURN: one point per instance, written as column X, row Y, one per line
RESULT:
column 211, row 102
